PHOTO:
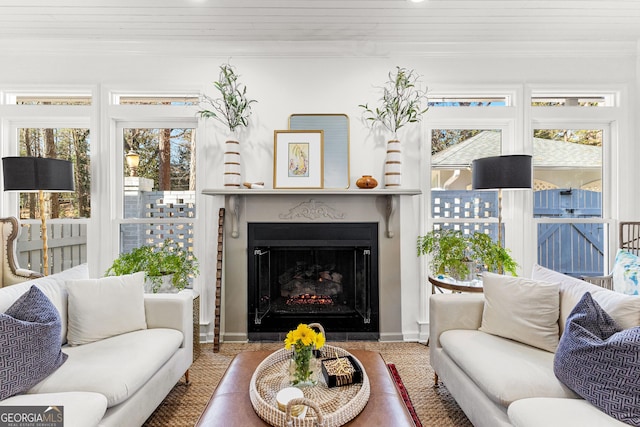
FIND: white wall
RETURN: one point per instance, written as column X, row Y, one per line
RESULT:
column 331, row 79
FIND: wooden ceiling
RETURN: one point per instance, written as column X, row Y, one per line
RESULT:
column 437, row 21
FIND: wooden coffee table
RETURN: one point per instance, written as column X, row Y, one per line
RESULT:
column 231, row 406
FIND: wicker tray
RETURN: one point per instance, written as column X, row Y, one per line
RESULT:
column 331, row 407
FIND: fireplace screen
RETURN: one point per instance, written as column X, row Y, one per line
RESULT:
column 313, row 273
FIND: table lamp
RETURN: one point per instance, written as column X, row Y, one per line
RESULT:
column 30, row 174
column 496, row 173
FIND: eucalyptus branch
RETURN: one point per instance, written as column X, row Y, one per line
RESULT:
column 233, row 108
column 402, row 102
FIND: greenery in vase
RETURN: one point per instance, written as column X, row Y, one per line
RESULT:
column 232, row 108
column 158, row 261
column 402, row 102
column 451, row 252
column 303, row 340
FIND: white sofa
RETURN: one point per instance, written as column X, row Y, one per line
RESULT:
column 118, row 381
column 503, row 382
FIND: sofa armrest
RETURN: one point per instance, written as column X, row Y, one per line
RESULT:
column 453, row 311
column 173, row 311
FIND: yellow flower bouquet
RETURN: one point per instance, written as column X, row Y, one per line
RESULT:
column 303, row 341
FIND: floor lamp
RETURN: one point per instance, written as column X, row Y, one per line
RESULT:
column 496, row 173
column 29, row 174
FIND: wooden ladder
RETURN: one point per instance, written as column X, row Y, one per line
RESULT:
column 216, row 324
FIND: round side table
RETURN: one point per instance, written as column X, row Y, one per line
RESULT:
column 455, row 287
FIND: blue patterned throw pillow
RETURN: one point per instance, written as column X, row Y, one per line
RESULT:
column 626, row 273
column 600, row 361
column 29, row 343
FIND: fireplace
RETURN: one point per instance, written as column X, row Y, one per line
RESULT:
column 313, row 272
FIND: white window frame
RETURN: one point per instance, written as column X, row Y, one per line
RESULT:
column 611, row 120
column 117, row 117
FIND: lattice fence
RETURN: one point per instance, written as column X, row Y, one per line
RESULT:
column 158, row 205
column 67, row 245
column 461, row 204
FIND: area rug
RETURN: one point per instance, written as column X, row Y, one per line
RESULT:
column 404, row 393
column 434, row 406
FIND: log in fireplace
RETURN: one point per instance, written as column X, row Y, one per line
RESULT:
column 313, row 272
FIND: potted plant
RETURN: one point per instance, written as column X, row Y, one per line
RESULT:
column 159, row 263
column 490, row 255
column 403, row 102
column 454, row 254
column 233, row 110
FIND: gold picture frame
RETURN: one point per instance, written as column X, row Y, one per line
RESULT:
column 298, row 159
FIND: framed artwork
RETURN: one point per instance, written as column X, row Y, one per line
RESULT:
column 298, row 159
column 335, row 141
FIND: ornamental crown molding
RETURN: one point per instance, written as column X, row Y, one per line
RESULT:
column 313, row 210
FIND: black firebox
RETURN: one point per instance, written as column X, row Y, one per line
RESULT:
column 313, row 272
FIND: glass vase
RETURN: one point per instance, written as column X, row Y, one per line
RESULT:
column 303, row 367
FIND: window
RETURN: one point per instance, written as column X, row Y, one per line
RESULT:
column 572, row 101
column 53, row 98
column 466, row 101
column 568, row 174
column 171, row 100
column 159, row 194
column 52, row 124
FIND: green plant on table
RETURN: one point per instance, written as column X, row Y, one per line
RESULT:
column 490, row 255
column 452, row 252
column 157, row 261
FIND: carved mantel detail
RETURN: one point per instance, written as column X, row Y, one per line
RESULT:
column 313, row 210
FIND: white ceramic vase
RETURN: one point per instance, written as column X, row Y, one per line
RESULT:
column 393, row 165
column 232, row 166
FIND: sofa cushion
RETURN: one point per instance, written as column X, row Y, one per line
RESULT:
column 521, row 309
column 503, row 369
column 624, row 309
column 600, row 361
column 626, row 273
column 116, row 367
column 81, row 409
column 553, row 412
column 29, row 343
column 53, row 286
column 102, row 308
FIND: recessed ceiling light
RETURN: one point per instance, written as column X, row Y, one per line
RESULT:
column 416, row 1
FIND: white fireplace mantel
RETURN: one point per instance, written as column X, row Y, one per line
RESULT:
column 233, row 195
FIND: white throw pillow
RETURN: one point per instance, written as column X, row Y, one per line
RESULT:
column 102, row 308
column 521, row 309
column 624, row 309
